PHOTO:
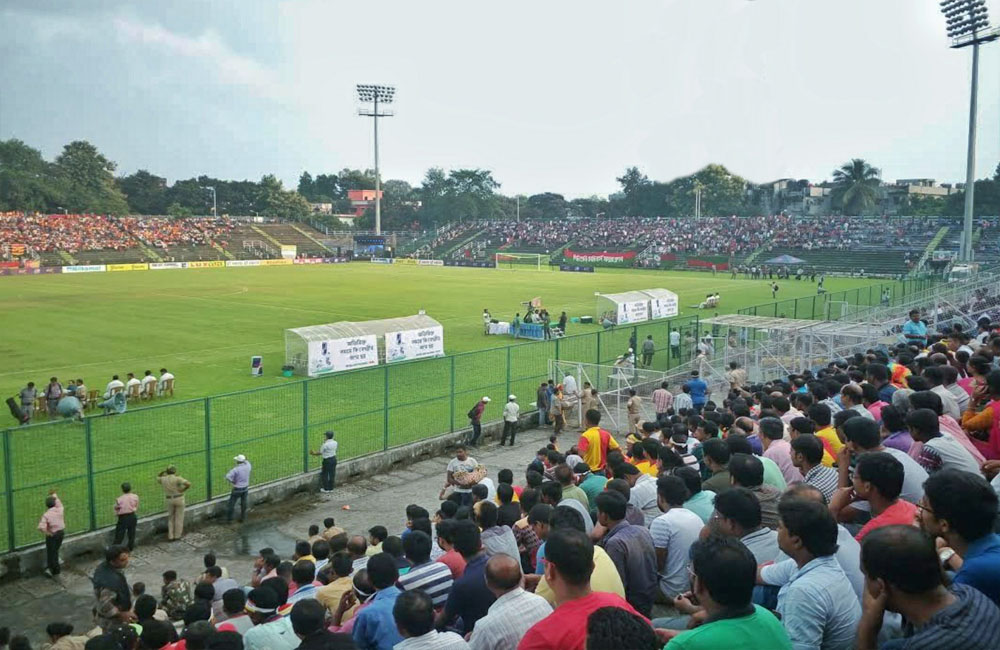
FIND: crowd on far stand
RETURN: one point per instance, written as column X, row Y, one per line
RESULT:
column 854, row 506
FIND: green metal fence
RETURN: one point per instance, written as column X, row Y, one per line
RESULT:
column 372, row 410
column 829, row 305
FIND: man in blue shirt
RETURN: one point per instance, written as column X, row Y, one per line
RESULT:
column 960, row 507
column 915, row 330
column 470, row 598
column 699, row 391
column 818, row 606
column 375, row 627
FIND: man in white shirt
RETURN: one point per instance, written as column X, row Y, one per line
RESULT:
column 675, row 344
column 513, row 613
column 114, row 386
column 164, row 378
column 328, row 471
column 132, row 381
column 571, row 395
column 673, row 533
column 462, row 462
column 511, row 411
column 935, row 377
column 148, row 383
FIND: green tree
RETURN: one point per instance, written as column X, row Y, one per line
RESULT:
column 634, row 185
column 306, row 186
column 146, row 193
column 27, row 181
column 547, row 205
column 275, row 201
column 856, row 187
column 90, row 180
column 177, row 210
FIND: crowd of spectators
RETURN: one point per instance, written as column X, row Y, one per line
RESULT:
column 74, row 233
column 851, row 507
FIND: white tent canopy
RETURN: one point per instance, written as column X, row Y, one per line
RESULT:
column 636, row 306
column 319, row 349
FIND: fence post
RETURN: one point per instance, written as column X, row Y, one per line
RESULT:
column 598, row 360
column 8, row 472
column 508, row 368
column 870, row 294
column 814, row 308
column 305, row 427
column 451, row 415
column 385, row 418
column 795, row 309
column 557, row 353
column 208, row 449
column 670, row 349
column 91, row 500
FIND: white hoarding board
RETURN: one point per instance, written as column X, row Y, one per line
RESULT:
column 633, row 312
column 663, row 307
column 342, row 354
column 414, row 344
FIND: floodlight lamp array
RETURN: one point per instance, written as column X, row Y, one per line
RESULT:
column 369, row 93
column 965, row 16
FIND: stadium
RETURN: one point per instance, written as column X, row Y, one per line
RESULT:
column 661, row 403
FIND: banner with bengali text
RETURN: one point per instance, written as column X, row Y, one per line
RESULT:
column 128, row 267
column 407, row 345
column 335, row 355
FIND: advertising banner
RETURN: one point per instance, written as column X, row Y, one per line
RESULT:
column 308, row 260
column 284, row 262
column 289, row 251
column 382, row 260
column 663, row 307
column 242, row 262
column 615, row 257
column 633, row 312
column 157, row 266
column 342, row 354
column 406, row 261
column 576, row 269
column 10, row 265
column 414, row 344
column 430, row 262
column 86, row 268
column 128, row 267
column 475, row 264
column 44, row 270
column 336, row 260
column 209, row 264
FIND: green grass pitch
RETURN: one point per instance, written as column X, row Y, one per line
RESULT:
column 205, row 324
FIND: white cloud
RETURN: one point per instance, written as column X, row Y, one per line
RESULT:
column 228, row 67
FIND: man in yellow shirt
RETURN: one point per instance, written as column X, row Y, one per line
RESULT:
column 821, row 417
column 340, row 584
column 605, row 576
column 595, row 442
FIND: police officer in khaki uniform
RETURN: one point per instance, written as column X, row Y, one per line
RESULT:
column 174, row 487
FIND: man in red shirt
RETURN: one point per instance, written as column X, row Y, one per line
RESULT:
column 878, row 478
column 569, row 561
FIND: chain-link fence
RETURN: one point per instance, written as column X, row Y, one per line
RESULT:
column 371, row 410
column 832, row 306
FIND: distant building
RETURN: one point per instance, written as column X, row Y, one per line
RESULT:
column 322, row 208
column 801, row 197
column 361, row 200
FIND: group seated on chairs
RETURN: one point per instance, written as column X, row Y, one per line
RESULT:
column 711, row 301
column 76, row 398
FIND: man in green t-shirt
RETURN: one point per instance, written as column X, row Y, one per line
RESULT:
column 724, row 576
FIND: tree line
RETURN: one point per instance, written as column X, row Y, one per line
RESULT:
column 81, row 179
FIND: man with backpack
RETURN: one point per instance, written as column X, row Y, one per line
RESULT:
column 476, row 417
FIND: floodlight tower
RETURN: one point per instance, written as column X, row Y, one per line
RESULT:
column 969, row 24
column 375, row 95
column 215, row 211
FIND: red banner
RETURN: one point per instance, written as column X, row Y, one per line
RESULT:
column 9, row 265
column 668, row 257
column 599, row 256
column 720, row 266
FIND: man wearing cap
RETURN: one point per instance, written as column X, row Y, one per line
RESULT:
column 476, row 416
column 239, row 478
column 328, row 471
column 511, row 411
column 174, row 487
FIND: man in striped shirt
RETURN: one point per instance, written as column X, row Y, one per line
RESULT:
column 807, row 457
column 903, row 574
column 433, row 578
column 514, row 612
column 663, row 399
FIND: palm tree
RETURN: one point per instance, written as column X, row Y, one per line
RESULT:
column 856, row 188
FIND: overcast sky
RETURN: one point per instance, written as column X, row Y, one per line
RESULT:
column 551, row 96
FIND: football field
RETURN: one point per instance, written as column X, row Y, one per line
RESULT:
column 205, row 324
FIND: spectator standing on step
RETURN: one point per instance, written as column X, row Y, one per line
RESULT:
column 53, row 393
column 239, row 479
column 648, row 349
column 53, row 526
column 125, row 509
column 511, row 412
column 476, row 419
column 174, row 486
column 328, row 471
